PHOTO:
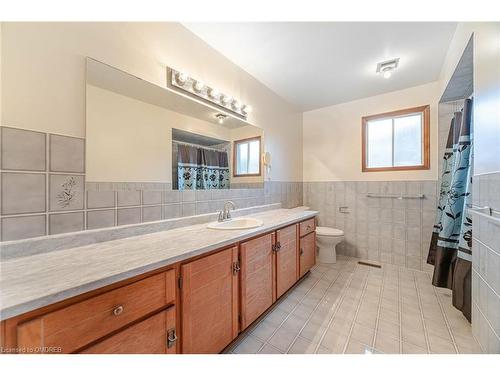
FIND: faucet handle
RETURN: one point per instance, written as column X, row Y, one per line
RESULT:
column 221, row 216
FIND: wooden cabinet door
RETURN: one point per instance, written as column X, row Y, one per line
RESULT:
column 286, row 259
column 209, row 295
column 307, row 253
column 256, row 278
column 155, row 335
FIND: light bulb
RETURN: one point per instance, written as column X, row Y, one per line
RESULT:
column 181, row 78
column 236, row 105
column 213, row 93
column 387, row 74
column 225, row 100
column 198, row 86
column 220, row 118
column 246, row 109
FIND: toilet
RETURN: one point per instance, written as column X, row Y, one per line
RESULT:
column 327, row 240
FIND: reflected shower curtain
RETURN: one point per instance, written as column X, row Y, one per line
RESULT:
column 451, row 243
column 201, row 169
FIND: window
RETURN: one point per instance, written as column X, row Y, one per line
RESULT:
column 246, row 157
column 396, row 140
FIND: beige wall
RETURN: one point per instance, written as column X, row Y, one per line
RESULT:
column 43, row 71
column 1, row 87
column 486, row 88
column 487, row 98
column 332, row 136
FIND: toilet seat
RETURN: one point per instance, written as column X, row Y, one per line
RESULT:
column 329, row 232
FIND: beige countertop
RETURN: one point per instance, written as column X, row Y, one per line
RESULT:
column 35, row 281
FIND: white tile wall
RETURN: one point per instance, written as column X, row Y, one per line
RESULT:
column 486, row 265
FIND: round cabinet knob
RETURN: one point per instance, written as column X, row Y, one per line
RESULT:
column 118, row 310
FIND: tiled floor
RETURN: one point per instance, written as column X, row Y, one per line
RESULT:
column 351, row 308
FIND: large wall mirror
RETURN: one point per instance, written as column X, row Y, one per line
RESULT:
column 140, row 132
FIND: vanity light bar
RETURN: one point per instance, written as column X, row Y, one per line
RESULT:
column 184, row 82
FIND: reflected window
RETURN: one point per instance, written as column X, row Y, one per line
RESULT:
column 396, row 141
column 246, row 157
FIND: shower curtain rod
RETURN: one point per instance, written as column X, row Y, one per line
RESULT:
column 198, row 146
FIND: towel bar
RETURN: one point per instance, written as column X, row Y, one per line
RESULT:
column 486, row 212
column 397, row 196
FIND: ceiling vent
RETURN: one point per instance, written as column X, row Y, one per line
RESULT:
column 386, row 67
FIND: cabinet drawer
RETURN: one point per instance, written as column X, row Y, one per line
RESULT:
column 79, row 324
column 155, row 335
column 307, row 227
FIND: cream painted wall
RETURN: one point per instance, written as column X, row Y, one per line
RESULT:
column 332, row 136
column 1, row 58
column 486, row 88
column 43, row 71
column 487, row 98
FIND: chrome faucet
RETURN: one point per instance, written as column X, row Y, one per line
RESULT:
column 225, row 214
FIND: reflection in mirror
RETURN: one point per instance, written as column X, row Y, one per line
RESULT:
column 199, row 162
column 140, row 132
column 247, row 157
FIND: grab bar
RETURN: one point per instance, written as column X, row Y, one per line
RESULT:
column 397, row 196
column 486, row 212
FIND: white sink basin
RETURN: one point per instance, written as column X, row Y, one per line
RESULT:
column 238, row 223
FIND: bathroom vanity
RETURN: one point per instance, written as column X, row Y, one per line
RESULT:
column 187, row 290
column 115, row 275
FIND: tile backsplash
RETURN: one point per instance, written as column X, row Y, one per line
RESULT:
column 42, row 183
column 389, row 230
column 44, row 191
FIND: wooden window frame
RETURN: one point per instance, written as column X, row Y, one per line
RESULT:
column 425, row 110
column 235, row 147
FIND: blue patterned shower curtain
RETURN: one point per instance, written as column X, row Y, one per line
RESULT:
column 199, row 168
column 451, row 244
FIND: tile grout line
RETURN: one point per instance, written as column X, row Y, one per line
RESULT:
column 400, row 313
column 379, row 308
column 342, row 295
column 309, row 317
column 419, row 300
column 450, row 331
column 288, row 315
column 489, row 325
column 356, row 313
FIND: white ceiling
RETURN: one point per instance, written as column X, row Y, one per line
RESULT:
column 317, row 64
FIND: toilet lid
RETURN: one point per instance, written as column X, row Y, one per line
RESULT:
column 326, row 231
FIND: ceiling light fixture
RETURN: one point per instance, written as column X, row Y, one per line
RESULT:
column 387, row 67
column 220, row 118
column 182, row 82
